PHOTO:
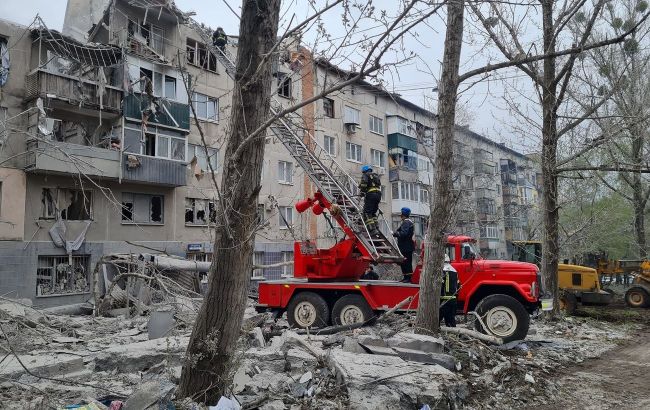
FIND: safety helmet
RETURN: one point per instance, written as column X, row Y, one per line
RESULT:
column 366, row 168
column 406, row 211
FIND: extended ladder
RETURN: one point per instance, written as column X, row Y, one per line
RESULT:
column 330, row 178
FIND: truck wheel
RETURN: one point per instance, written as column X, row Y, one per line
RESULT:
column 568, row 303
column 504, row 317
column 637, row 297
column 307, row 309
column 351, row 309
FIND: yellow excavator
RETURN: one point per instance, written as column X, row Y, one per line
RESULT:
column 638, row 295
column 578, row 284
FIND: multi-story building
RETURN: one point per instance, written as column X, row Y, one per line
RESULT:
column 112, row 138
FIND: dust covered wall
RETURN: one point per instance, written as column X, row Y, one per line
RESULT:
column 12, row 204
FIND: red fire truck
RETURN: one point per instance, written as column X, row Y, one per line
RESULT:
column 326, row 288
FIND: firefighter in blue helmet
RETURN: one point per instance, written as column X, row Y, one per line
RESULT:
column 404, row 235
column 370, row 189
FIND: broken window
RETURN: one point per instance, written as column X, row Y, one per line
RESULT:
column 200, row 211
column 158, row 142
column 68, row 204
column 198, row 151
column 142, row 208
column 198, row 54
column 62, row 275
column 284, row 85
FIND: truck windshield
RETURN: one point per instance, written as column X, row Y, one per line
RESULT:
column 468, row 250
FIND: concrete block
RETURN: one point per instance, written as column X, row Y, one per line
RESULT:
column 414, row 341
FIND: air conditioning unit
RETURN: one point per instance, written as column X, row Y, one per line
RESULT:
column 351, row 128
column 379, row 170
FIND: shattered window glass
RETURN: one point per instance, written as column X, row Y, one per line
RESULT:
column 178, row 149
column 132, row 139
column 199, row 211
column 142, row 208
column 69, row 204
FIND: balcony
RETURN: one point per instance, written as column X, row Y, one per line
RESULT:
column 402, row 141
column 84, row 93
column 171, row 114
column 152, row 170
column 65, row 158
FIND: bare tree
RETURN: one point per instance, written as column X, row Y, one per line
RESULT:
column 429, row 299
column 218, row 324
column 505, row 26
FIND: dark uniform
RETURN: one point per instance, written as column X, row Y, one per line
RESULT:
column 404, row 235
column 370, row 274
column 219, row 38
column 448, row 298
column 370, row 187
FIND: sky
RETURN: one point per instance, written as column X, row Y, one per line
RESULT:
column 482, row 105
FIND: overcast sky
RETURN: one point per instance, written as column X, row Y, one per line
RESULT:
column 484, row 102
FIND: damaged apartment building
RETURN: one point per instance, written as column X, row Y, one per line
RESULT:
column 101, row 153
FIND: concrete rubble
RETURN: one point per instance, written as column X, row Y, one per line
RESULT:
column 70, row 359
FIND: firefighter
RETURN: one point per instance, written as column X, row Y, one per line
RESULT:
column 219, row 39
column 370, row 189
column 448, row 292
column 404, row 235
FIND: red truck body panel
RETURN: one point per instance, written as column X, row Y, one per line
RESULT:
column 473, row 274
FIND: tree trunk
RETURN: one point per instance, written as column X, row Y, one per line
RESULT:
column 427, row 319
column 208, row 369
column 550, row 256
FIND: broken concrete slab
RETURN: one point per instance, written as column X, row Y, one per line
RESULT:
column 444, row 360
column 369, row 340
column 161, row 322
column 267, row 359
column 138, row 356
column 154, row 394
column 370, row 385
column 351, row 345
column 46, row 364
column 414, row 341
column 257, row 337
column 273, row 405
column 298, row 360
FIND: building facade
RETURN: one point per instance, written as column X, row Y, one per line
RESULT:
column 112, row 138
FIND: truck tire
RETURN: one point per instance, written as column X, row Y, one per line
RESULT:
column 637, row 297
column 307, row 309
column 568, row 303
column 351, row 309
column 504, row 317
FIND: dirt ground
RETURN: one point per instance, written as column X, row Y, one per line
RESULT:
column 620, row 378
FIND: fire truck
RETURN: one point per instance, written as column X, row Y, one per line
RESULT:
column 326, row 287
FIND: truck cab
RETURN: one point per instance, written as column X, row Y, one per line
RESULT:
column 502, row 293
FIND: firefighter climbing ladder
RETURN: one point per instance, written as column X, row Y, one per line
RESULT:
column 330, row 178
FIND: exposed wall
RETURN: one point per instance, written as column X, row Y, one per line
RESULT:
column 12, row 204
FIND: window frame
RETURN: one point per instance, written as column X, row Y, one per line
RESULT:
column 54, row 261
column 382, row 158
column 331, row 112
column 213, row 156
column 285, row 169
column 133, row 210
column 165, row 134
column 208, row 99
column 372, row 125
column 284, row 85
column 210, row 208
column 327, row 146
column 211, row 59
column 348, row 150
column 352, row 115
column 285, row 211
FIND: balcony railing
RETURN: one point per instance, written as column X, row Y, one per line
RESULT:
column 152, row 170
column 171, row 114
column 41, row 83
column 65, row 158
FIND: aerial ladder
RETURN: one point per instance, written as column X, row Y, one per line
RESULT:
column 334, row 193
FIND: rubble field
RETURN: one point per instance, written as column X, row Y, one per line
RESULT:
column 51, row 360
